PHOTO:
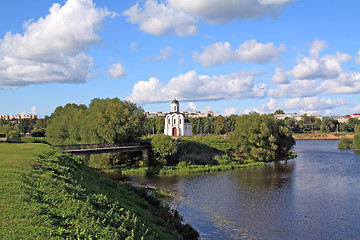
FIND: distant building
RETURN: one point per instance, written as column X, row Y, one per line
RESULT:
column 297, row 117
column 175, row 122
column 355, row 115
column 341, row 119
column 18, row 116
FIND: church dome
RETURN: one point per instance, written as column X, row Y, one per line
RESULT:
column 175, row 101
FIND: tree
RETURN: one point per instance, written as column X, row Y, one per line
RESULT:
column 357, row 137
column 261, row 137
column 104, row 121
column 279, row 111
column 219, row 125
column 164, row 146
column 159, row 125
column 329, row 125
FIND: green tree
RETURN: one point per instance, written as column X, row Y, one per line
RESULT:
column 261, row 137
column 164, row 146
column 9, row 130
column 159, row 125
column 104, row 121
column 219, row 125
column 357, row 137
column 279, row 111
column 329, row 125
column 230, row 123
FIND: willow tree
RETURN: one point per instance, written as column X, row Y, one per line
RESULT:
column 261, row 137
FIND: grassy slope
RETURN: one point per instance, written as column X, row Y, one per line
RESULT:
column 55, row 197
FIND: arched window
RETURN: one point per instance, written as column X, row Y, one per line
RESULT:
column 174, row 121
column 180, row 121
column 169, row 121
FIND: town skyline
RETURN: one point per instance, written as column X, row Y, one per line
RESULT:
column 228, row 57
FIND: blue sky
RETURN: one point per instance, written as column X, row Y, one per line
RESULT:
column 221, row 55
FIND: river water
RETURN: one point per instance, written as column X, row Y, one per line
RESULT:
column 314, row 196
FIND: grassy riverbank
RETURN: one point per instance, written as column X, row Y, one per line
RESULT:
column 169, row 170
column 196, row 154
column 52, row 196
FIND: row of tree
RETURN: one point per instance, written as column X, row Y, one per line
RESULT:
column 104, row 121
column 327, row 124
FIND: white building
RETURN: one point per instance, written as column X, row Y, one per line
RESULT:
column 175, row 122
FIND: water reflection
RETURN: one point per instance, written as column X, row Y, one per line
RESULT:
column 315, row 196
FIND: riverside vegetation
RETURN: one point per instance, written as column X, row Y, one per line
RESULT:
column 64, row 198
column 347, row 143
column 47, row 194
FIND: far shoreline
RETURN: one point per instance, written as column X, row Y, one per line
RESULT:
column 322, row 136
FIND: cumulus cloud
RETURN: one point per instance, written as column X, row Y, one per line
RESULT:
column 117, row 70
column 191, row 86
column 280, row 76
column 307, row 104
column 356, row 109
column 224, row 11
column 164, row 54
column 312, row 103
column 133, row 46
column 34, row 110
column 296, row 88
column 344, row 83
column 249, row 51
column 230, row 111
column 51, row 49
column 328, row 66
column 357, row 60
column 159, row 18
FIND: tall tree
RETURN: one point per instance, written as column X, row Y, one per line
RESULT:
column 261, row 137
column 104, row 121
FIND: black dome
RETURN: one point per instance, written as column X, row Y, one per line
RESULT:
column 175, row 101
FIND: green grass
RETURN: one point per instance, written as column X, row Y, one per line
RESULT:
column 169, row 170
column 204, row 143
column 53, row 196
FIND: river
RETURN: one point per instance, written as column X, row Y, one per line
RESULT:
column 314, row 196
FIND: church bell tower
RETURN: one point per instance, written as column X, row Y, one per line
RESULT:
column 174, row 106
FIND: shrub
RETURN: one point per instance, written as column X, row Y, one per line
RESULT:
column 345, row 143
column 163, row 145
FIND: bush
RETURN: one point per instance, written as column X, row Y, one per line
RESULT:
column 357, row 137
column 345, row 143
column 163, row 145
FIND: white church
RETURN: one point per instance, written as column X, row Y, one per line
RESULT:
column 175, row 122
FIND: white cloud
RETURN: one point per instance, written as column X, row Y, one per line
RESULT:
column 296, row 88
column 50, row 50
column 134, row 46
column 117, row 70
column 159, row 18
column 356, row 109
column 312, row 103
column 191, row 86
column 280, row 76
column 34, row 110
column 344, row 83
column 164, row 54
column 303, row 105
column 249, row 51
column 224, row 11
column 328, row 66
column 230, row 111
column 192, row 106
column 357, row 60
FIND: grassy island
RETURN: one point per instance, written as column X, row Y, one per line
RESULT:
column 46, row 194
